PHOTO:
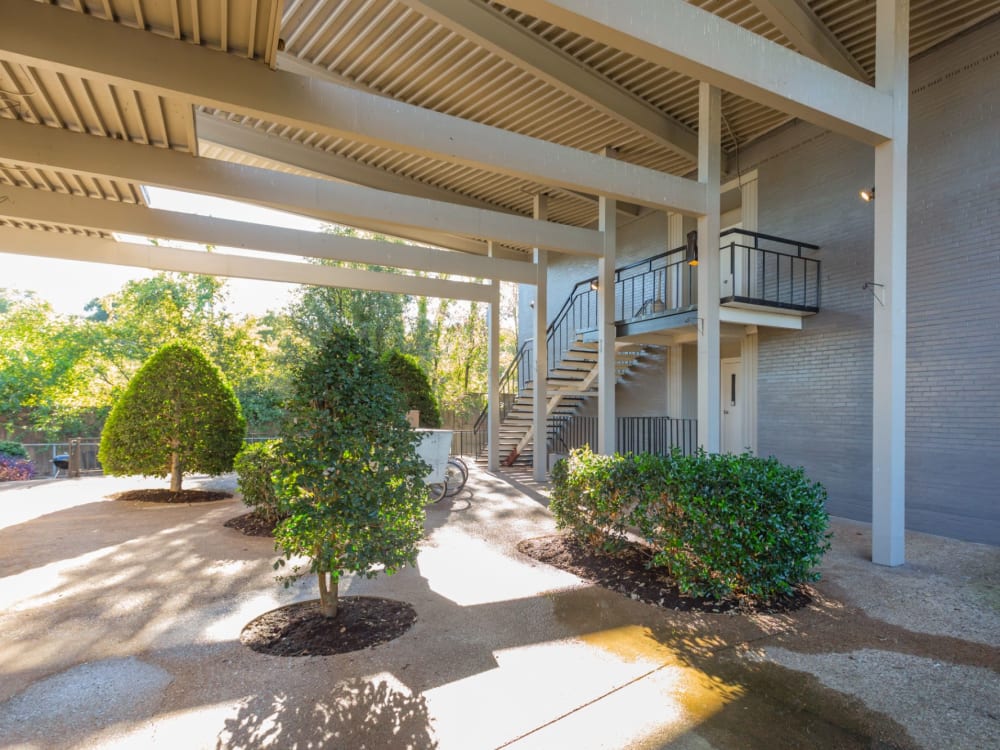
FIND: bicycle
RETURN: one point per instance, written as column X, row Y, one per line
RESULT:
column 455, row 476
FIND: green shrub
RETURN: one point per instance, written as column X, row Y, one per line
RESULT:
column 411, row 381
column 255, row 465
column 177, row 415
column 594, row 497
column 350, row 476
column 720, row 525
column 12, row 449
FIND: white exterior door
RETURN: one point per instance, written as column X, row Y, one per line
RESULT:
column 732, row 406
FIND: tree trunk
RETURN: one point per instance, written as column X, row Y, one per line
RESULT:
column 328, row 591
column 175, row 472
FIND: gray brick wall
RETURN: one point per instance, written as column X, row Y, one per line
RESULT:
column 815, row 385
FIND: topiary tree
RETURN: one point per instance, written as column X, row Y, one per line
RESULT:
column 350, row 478
column 411, row 380
column 178, row 414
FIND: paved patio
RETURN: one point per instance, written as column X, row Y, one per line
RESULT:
column 121, row 625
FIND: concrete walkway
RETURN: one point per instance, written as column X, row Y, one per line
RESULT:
column 120, row 628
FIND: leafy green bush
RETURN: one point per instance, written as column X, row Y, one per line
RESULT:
column 594, row 497
column 12, row 449
column 255, row 466
column 719, row 524
column 350, row 476
column 411, row 381
column 178, row 414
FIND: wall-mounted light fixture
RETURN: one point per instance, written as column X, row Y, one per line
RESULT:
column 867, row 194
column 691, row 251
column 594, row 286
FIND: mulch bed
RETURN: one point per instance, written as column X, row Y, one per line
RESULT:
column 167, row 496
column 252, row 525
column 626, row 573
column 300, row 630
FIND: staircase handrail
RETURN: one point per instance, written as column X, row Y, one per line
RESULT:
column 505, row 380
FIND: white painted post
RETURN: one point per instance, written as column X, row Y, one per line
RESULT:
column 709, row 163
column 493, row 378
column 889, row 357
column 749, row 358
column 606, row 333
column 672, row 296
column 540, row 418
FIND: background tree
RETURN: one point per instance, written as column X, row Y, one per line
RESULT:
column 41, row 366
column 178, row 414
column 411, row 381
column 351, row 479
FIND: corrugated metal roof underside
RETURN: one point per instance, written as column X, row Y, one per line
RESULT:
column 244, row 27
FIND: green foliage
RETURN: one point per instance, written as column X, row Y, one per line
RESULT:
column 43, row 377
column 178, row 414
column 255, row 466
column 411, row 381
column 12, row 449
column 350, row 478
column 719, row 524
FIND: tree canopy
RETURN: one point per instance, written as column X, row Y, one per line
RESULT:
column 350, row 479
column 177, row 415
column 411, row 381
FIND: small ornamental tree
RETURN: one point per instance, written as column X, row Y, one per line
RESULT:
column 350, row 479
column 411, row 380
column 178, row 414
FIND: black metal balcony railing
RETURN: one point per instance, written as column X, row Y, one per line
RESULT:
column 755, row 269
column 759, row 269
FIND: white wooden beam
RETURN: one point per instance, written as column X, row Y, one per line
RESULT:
column 709, row 332
column 303, row 68
column 768, row 318
column 493, row 381
column 98, row 250
column 539, row 422
column 889, row 343
column 57, row 39
column 509, row 40
column 42, row 206
column 289, row 153
column 696, row 43
column 807, row 33
column 35, row 145
column 607, row 357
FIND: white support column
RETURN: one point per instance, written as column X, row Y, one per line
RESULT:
column 606, row 333
column 493, row 378
column 709, row 162
column 748, row 359
column 540, row 421
column 889, row 359
column 749, row 205
column 675, row 381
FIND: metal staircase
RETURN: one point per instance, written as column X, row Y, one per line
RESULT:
column 570, row 384
column 651, row 295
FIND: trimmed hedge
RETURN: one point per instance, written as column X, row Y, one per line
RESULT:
column 255, row 464
column 13, row 449
column 720, row 525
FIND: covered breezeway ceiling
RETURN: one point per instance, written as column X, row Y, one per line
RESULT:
column 622, row 120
